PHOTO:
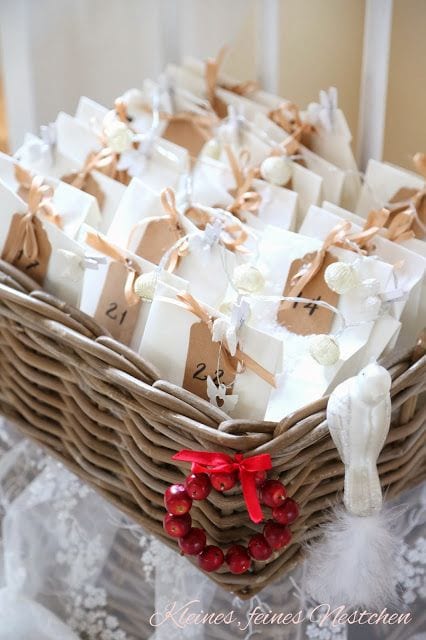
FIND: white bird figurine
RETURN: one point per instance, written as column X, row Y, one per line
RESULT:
column 358, row 417
column 354, row 561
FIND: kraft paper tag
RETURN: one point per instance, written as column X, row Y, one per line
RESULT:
column 186, row 134
column 36, row 268
column 305, row 318
column 159, row 236
column 113, row 311
column 206, row 358
column 402, row 195
column 89, row 186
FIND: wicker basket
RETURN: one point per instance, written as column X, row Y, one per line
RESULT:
column 104, row 412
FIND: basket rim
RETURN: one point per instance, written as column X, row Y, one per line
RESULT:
column 53, row 318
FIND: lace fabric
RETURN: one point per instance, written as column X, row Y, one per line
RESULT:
column 72, row 567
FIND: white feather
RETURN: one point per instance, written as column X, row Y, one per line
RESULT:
column 354, row 564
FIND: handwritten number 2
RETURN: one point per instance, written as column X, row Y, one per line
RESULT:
column 201, row 367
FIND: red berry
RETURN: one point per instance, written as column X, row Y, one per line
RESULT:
column 238, row 559
column 259, row 478
column 223, row 481
column 194, row 541
column 198, row 486
column 176, row 500
column 277, row 535
column 287, row 512
column 273, row 493
column 259, row 548
column 177, row 526
column 211, row 558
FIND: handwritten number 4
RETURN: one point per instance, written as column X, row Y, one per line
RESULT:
column 309, row 305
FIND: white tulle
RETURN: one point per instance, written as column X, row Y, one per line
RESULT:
column 72, row 567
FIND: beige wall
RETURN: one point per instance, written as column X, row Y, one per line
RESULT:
column 406, row 106
column 321, row 46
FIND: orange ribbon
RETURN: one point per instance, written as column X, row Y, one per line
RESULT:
column 212, row 70
column 168, row 201
column 245, row 198
column 41, row 198
column 211, row 76
column 400, row 227
column 25, row 240
column 287, row 117
column 100, row 244
column 188, row 302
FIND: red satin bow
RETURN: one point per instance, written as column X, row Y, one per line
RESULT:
column 205, row 462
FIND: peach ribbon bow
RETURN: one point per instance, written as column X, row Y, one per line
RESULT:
column 245, row 197
column 397, row 229
column 287, row 117
column 41, row 199
column 97, row 242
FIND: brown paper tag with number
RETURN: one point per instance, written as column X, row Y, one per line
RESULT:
column 186, row 134
column 305, row 318
column 113, row 311
column 36, row 268
column 159, row 235
column 402, row 195
column 206, row 358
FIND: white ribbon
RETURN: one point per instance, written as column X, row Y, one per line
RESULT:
column 324, row 111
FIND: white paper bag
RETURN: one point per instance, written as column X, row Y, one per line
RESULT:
column 59, row 262
column 277, row 252
column 160, row 167
column 168, row 351
column 305, row 183
column 333, row 177
column 107, row 192
column 73, row 206
column 381, row 185
column 212, row 182
column 408, row 274
column 332, row 140
column 105, row 299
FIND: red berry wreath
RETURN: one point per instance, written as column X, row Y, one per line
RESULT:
column 221, row 472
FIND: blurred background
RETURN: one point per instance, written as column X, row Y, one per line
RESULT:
column 53, row 51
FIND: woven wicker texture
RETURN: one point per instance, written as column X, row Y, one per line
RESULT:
column 106, row 415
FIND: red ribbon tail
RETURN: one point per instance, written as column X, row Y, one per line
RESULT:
column 203, row 457
column 251, row 497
